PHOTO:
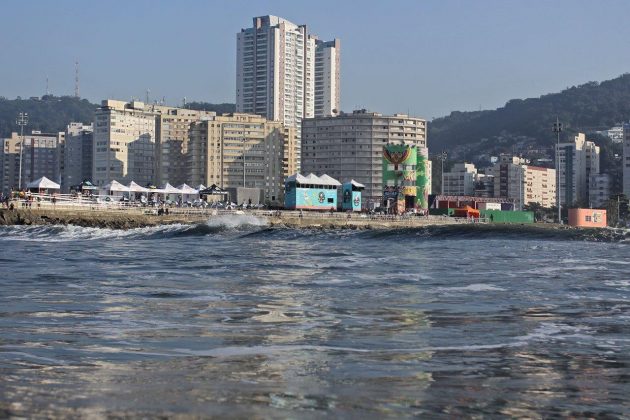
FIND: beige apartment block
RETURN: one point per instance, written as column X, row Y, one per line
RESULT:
column 236, row 150
column 124, row 142
column 41, row 156
column 350, row 146
column 145, row 143
column 172, row 140
column 514, row 178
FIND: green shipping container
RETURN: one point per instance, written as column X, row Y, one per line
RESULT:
column 441, row 212
column 499, row 216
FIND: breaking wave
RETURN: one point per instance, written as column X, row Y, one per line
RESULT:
column 242, row 226
column 223, row 224
column 524, row 232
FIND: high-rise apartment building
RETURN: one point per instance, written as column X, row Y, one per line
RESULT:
column 460, row 180
column 327, row 75
column 599, row 190
column 576, row 161
column 285, row 74
column 124, row 142
column 350, row 146
column 172, row 139
column 241, row 150
column 145, row 143
column 77, row 155
column 40, row 157
column 523, row 183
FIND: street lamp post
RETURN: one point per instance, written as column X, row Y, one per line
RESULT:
column 557, row 128
column 22, row 120
column 442, row 156
column 244, row 140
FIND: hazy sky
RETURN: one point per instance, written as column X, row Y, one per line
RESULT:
column 424, row 57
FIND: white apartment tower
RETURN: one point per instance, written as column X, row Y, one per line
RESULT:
column 460, row 180
column 576, row 161
column 327, row 66
column 285, row 74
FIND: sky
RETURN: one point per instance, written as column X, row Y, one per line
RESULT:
column 423, row 57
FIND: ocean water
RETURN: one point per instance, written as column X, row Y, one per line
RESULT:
column 236, row 319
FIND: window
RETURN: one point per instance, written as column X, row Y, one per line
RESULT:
column 588, row 218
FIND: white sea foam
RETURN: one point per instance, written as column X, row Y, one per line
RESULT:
column 476, row 287
column 556, row 331
column 235, row 221
column 78, row 233
column 67, row 233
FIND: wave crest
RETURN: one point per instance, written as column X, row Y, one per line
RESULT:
column 214, row 225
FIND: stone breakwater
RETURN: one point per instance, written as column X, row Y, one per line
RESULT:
column 136, row 218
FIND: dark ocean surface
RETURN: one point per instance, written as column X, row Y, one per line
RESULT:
column 235, row 319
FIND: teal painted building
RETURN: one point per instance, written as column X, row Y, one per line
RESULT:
column 310, row 192
column 351, row 196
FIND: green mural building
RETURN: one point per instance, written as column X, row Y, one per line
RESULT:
column 405, row 178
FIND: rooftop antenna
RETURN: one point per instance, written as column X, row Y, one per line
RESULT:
column 184, row 103
column 147, row 97
column 76, row 79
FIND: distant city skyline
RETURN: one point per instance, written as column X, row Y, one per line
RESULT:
column 424, row 58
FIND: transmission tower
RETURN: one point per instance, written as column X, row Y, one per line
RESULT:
column 76, row 79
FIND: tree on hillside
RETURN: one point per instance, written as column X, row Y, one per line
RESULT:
column 47, row 114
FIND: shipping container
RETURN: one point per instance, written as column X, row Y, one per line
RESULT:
column 498, row 216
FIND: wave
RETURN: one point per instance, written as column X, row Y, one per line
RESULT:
column 248, row 226
column 503, row 231
column 224, row 224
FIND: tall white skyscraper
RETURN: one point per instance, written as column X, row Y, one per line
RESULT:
column 576, row 161
column 285, row 74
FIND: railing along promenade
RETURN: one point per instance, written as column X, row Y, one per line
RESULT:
column 95, row 205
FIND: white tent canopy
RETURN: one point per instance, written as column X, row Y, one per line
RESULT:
column 115, row 186
column 200, row 187
column 313, row 179
column 169, row 189
column 298, row 178
column 186, row 189
column 356, row 184
column 43, row 183
column 328, row 180
column 133, row 187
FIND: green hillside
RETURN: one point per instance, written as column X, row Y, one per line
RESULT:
column 53, row 113
column 526, row 123
column 48, row 114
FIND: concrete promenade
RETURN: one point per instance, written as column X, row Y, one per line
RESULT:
column 134, row 217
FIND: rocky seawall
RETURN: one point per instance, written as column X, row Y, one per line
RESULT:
column 136, row 218
column 97, row 219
